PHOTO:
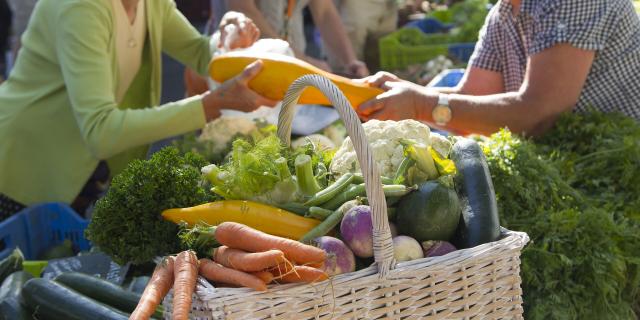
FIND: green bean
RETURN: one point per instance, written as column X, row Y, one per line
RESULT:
column 392, row 190
column 319, row 213
column 358, row 179
column 331, row 191
column 294, row 207
column 329, row 223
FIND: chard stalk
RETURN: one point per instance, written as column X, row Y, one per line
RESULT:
column 307, row 183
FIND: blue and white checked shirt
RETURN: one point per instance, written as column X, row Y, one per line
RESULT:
column 609, row 27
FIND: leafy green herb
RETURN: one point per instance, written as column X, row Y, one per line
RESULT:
column 575, row 192
column 126, row 223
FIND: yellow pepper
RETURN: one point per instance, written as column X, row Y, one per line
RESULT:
column 259, row 216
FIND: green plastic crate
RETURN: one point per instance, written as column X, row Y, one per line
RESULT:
column 410, row 46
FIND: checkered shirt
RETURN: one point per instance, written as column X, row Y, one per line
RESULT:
column 611, row 28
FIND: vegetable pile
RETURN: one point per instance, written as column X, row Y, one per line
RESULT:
column 575, row 192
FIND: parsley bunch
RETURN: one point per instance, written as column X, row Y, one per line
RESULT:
column 126, row 223
column 575, row 192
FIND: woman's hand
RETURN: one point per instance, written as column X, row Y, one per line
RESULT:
column 402, row 100
column 238, row 30
column 235, row 94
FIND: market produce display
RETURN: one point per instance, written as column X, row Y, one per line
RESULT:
column 229, row 216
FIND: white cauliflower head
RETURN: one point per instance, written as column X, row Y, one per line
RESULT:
column 384, row 138
column 223, row 129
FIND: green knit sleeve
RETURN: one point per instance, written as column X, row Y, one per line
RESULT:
column 85, row 55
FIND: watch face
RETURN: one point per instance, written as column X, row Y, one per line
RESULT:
column 441, row 115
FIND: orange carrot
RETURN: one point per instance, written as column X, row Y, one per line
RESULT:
column 264, row 275
column 218, row 273
column 299, row 274
column 158, row 287
column 239, row 236
column 245, row 261
column 185, row 273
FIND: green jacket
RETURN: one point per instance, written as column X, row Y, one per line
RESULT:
column 58, row 115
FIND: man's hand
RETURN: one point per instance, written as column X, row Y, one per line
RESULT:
column 238, row 30
column 236, row 94
column 402, row 100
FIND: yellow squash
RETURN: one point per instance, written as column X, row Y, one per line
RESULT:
column 259, row 216
column 280, row 71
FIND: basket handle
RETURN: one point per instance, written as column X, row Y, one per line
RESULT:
column 382, row 244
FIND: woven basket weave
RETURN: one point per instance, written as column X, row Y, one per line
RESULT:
column 481, row 282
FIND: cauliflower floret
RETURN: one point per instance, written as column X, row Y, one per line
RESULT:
column 441, row 144
column 220, row 131
column 384, row 139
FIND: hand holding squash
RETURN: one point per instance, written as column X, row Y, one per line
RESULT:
column 235, row 94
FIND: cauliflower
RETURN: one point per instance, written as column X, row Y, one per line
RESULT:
column 384, row 138
column 223, row 130
column 440, row 144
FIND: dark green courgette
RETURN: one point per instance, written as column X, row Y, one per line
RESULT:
column 479, row 222
column 12, row 309
column 51, row 300
column 10, row 306
column 102, row 291
column 11, row 264
column 138, row 284
column 12, row 285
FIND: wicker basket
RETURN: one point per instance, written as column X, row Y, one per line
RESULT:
column 481, row 282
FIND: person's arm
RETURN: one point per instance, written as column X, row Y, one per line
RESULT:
column 82, row 42
column 552, row 85
column 328, row 20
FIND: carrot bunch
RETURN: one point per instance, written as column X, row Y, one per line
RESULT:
column 259, row 258
column 247, row 258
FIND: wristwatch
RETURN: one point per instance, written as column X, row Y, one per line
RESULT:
column 442, row 113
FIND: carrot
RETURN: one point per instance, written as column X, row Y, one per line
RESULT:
column 156, row 289
column 248, row 262
column 239, row 236
column 218, row 273
column 264, row 275
column 299, row 274
column 185, row 273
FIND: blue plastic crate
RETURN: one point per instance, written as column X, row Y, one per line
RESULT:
column 38, row 228
column 447, row 78
column 429, row 25
column 462, row 51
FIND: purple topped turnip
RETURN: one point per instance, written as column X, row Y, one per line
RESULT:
column 356, row 230
column 406, row 249
column 340, row 259
column 434, row 248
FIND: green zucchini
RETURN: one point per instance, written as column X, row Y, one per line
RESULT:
column 479, row 222
column 11, row 264
column 430, row 213
column 102, row 291
column 10, row 306
column 12, row 309
column 138, row 284
column 51, row 300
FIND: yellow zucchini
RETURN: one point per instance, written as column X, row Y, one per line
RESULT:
column 259, row 216
column 279, row 71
